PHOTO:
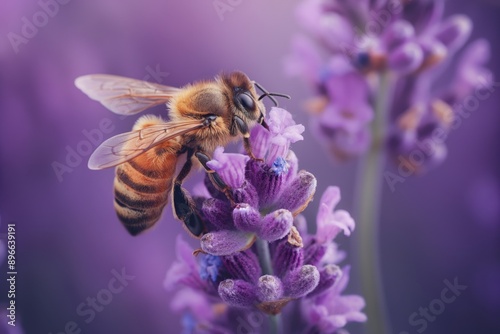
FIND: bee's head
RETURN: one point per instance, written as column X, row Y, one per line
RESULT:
column 245, row 98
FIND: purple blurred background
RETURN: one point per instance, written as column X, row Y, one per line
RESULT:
column 437, row 226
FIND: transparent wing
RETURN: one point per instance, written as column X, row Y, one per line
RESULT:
column 128, row 145
column 122, row 95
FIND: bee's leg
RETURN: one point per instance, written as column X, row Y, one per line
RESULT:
column 245, row 131
column 183, row 204
column 217, row 181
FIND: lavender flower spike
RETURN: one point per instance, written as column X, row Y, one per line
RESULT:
column 330, row 311
column 268, row 193
column 253, row 257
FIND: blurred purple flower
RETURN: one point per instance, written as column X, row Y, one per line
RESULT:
column 231, row 273
column 330, row 223
column 408, row 41
column 185, row 270
column 343, row 121
column 330, row 311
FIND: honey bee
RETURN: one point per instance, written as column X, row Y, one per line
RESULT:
column 202, row 116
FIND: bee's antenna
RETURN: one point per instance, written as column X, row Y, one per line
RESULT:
column 269, row 94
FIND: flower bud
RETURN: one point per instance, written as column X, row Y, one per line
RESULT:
column 267, row 184
column 454, row 32
column 287, row 258
column 302, row 281
column 246, row 218
column 276, row 225
column 398, row 33
column 298, row 193
column 406, row 58
column 226, row 242
column 237, row 293
column 246, row 194
column 328, row 276
column 269, row 288
column 242, row 265
column 218, row 213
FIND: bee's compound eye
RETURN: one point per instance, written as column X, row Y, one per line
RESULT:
column 246, row 101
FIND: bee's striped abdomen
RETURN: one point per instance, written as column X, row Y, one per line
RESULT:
column 142, row 186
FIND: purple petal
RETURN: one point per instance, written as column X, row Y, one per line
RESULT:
column 434, row 53
column 314, row 253
column 332, row 254
column 184, row 252
column 177, row 273
column 330, row 223
column 330, row 311
column 355, row 303
column 424, row 14
column 185, row 269
column 329, row 200
column 293, row 166
column 230, row 166
column 226, row 242
column 477, row 53
column 471, row 73
column 259, row 140
column 342, row 309
column 343, row 281
column 194, row 301
column 283, row 132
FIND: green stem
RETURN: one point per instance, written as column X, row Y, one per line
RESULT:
column 264, row 257
column 267, row 269
column 369, row 193
column 275, row 323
